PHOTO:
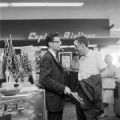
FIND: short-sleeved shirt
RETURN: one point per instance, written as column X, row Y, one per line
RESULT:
column 90, row 64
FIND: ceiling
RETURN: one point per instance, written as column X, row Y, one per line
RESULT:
column 93, row 8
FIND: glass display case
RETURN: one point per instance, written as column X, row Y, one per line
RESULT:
column 29, row 104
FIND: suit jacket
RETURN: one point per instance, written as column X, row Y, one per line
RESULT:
column 52, row 79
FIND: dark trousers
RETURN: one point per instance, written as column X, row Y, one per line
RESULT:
column 79, row 113
column 91, row 114
column 73, row 80
column 55, row 115
column 86, row 114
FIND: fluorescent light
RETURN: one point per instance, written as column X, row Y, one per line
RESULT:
column 4, row 4
column 72, row 46
column 44, row 4
column 68, row 46
column 94, row 45
column 116, row 29
column 65, row 46
column 44, row 47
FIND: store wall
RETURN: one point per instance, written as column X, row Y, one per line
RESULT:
column 67, row 28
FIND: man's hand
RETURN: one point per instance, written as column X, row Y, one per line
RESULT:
column 67, row 90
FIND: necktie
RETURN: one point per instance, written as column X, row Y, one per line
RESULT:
column 57, row 58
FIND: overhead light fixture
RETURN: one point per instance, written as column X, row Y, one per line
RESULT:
column 4, row 4
column 94, row 45
column 116, row 29
column 44, row 47
column 69, row 46
column 41, row 4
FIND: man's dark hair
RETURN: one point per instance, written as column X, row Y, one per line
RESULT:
column 50, row 37
column 83, row 40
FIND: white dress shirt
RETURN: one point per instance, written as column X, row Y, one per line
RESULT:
column 90, row 64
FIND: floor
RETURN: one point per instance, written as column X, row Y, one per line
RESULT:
column 70, row 114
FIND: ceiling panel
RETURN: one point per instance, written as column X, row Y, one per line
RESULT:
column 91, row 9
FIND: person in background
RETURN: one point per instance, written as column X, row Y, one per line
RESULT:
column 52, row 78
column 90, row 63
column 108, row 85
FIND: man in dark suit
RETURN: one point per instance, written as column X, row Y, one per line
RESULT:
column 52, row 78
